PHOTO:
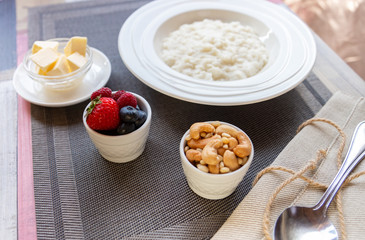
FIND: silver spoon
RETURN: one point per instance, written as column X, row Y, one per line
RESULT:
column 302, row 223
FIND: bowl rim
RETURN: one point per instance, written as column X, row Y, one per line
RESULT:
column 60, row 78
column 225, row 175
column 148, row 110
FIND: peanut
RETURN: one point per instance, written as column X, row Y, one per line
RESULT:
column 202, row 168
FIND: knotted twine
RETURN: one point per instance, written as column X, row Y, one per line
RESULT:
column 311, row 165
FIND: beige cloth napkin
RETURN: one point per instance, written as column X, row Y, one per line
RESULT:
column 246, row 220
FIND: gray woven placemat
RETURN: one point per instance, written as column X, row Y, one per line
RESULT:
column 79, row 195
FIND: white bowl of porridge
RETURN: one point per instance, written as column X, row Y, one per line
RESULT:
column 217, row 53
column 208, row 56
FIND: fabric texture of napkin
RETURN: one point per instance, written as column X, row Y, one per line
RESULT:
column 246, row 221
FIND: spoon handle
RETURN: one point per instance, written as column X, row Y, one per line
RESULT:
column 354, row 155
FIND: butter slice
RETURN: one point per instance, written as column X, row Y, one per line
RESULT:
column 75, row 61
column 45, row 59
column 39, row 71
column 76, row 44
column 61, row 67
column 38, row 45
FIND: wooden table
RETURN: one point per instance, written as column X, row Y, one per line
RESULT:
column 16, row 142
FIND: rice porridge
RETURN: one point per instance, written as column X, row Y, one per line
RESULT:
column 214, row 50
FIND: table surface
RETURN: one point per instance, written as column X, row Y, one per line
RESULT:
column 16, row 142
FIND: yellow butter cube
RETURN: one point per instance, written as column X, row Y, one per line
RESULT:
column 45, row 59
column 75, row 61
column 39, row 71
column 76, row 44
column 60, row 68
column 38, row 45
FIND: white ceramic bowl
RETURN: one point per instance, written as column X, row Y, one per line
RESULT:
column 278, row 55
column 212, row 186
column 288, row 40
column 63, row 82
column 122, row 148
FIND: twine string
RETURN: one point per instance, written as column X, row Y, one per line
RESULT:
column 311, row 165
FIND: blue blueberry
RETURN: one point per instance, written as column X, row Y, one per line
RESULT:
column 126, row 128
column 142, row 116
column 128, row 114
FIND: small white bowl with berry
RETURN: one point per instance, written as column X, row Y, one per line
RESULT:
column 118, row 124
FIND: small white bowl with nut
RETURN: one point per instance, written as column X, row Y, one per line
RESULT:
column 215, row 157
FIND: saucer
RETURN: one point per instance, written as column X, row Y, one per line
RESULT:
column 35, row 93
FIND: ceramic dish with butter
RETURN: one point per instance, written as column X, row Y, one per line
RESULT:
column 35, row 92
column 58, row 82
column 288, row 40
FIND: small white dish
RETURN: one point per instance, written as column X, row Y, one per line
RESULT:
column 289, row 41
column 122, row 148
column 34, row 92
column 208, row 185
column 63, row 82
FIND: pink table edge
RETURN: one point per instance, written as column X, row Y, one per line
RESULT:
column 27, row 228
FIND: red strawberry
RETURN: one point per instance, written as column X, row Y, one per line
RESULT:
column 103, row 114
column 102, row 92
column 127, row 99
column 117, row 94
